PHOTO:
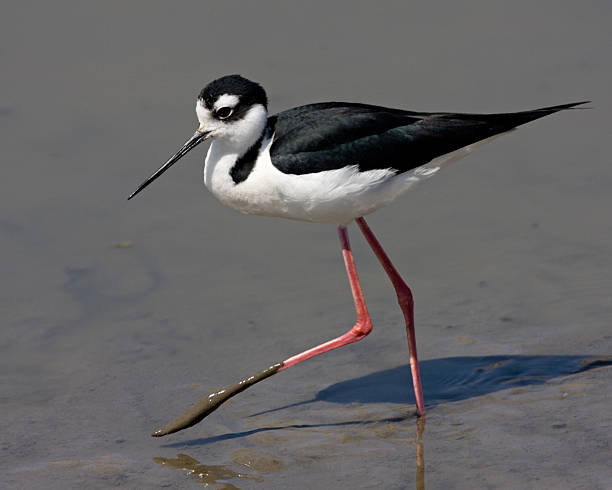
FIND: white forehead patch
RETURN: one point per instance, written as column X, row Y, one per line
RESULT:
column 226, row 100
column 204, row 116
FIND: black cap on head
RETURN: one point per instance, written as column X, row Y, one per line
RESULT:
column 249, row 92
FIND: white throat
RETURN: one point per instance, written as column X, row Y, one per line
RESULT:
column 230, row 142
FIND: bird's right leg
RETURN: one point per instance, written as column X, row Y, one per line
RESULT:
column 406, row 303
column 362, row 327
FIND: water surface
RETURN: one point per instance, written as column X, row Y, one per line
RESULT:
column 117, row 316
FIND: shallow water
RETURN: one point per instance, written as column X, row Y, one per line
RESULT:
column 118, row 316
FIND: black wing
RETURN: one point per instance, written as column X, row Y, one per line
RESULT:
column 327, row 136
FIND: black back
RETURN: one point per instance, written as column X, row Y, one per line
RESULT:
column 327, row 136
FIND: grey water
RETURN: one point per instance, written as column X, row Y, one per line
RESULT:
column 117, row 316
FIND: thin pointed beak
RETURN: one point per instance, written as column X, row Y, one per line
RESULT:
column 189, row 145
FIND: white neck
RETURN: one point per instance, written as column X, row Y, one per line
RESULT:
column 230, row 143
column 245, row 132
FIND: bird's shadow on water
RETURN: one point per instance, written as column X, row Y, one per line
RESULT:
column 444, row 380
column 458, row 378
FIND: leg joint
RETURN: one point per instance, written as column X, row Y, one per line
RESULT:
column 362, row 328
column 404, row 297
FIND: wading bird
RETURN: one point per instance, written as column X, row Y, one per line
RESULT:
column 331, row 162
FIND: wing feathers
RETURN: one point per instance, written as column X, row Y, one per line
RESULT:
column 332, row 135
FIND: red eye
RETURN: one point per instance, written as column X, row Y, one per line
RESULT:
column 224, row 112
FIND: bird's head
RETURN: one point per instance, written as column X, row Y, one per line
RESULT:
column 233, row 110
column 230, row 109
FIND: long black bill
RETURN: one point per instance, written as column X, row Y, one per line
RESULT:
column 189, row 145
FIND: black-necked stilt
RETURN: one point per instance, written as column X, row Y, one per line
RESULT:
column 331, row 162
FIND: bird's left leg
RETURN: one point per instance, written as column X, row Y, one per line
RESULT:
column 362, row 327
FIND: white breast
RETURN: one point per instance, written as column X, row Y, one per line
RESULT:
column 333, row 196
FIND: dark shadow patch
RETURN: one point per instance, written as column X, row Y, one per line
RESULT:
column 203, row 441
column 453, row 379
column 6, row 112
column 458, row 378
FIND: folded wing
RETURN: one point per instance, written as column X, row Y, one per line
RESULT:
column 327, row 136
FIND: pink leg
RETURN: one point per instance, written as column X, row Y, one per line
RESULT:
column 404, row 298
column 362, row 327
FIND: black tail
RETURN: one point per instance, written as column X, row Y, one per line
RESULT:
column 437, row 134
column 514, row 119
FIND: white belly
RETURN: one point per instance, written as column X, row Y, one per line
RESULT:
column 333, row 196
